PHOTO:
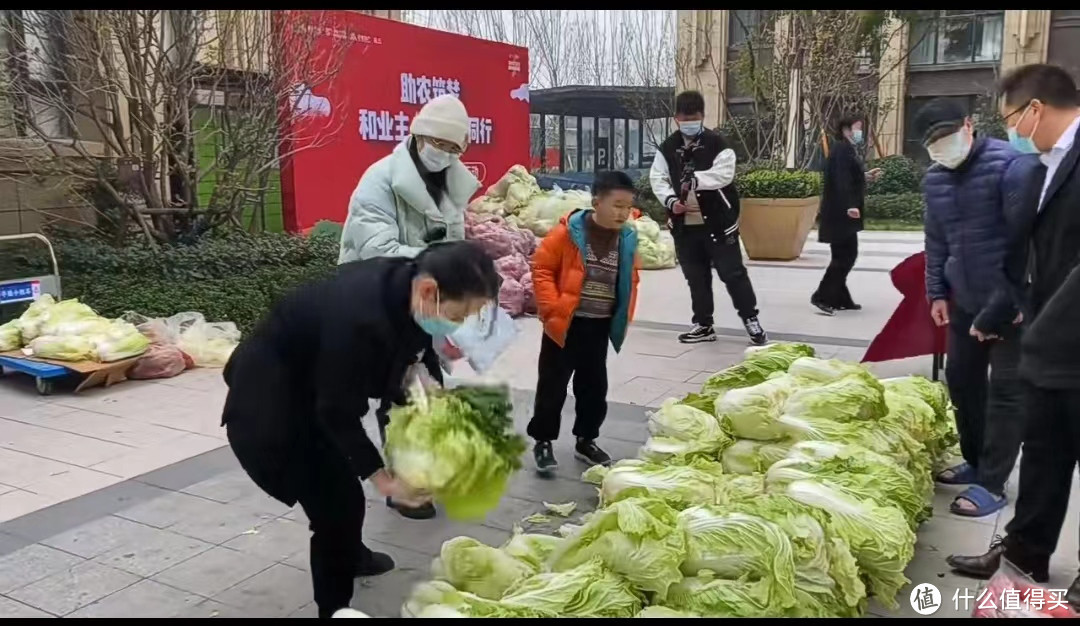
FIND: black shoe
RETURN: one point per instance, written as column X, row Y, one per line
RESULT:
column 698, row 334
column 757, row 334
column 424, row 511
column 545, row 458
column 1072, row 596
column 587, row 450
column 825, row 309
column 850, row 306
column 374, row 564
column 985, row 565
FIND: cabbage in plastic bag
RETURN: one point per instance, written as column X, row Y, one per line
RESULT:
column 118, row 340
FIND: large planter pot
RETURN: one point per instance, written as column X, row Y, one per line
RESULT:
column 775, row 229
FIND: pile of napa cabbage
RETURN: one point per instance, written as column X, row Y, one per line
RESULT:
column 790, row 486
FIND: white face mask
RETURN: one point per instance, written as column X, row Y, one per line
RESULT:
column 952, row 150
column 435, row 160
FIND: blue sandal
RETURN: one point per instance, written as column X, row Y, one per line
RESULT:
column 962, row 474
column 985, row 502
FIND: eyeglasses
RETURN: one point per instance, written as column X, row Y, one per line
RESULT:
column 446, row 146
column 1019, row 109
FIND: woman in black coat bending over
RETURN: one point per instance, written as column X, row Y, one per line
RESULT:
column 300, row 383
column 841, row 216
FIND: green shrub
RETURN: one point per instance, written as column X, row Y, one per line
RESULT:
column 327, row 228
column 777, row 183
column 899, row 174
column 234, row 277
column 900, row 207
column 646, row 200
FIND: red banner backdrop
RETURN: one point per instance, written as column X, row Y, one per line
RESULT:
column 370, row 76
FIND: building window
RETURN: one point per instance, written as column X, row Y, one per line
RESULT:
column 588, row 144
column 743, row 26
column 634, row 132
column 552, row 156
column 536, row 142
column 619, row 149
column 35, row 43
column 570, row 144
column 955, row 37
column 655, row 134
column 603, row 144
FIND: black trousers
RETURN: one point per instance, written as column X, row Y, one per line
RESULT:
column 989, row 409
column 333, row 499
column 698, row 255
column 833, row 289
column 585, row 359
column 1051, row 452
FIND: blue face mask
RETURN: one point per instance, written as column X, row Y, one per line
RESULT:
column 435, row 325
column 1023, row 144
column 856, row 136
column 691, row 129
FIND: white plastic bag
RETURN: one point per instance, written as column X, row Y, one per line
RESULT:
column 209, row 344
column 485, row 336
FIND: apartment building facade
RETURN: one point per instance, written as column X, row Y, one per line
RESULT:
column 955, row 54
column 29, row 198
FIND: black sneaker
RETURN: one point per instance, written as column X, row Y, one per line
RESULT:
column 424, row 511
column 849, row 307
column 758, row 337
column 698, row 334
column 587, row 450
column 545, row 458
column 374, row 564
column 825, row 309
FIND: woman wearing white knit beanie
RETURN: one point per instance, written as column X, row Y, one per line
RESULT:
column 417, row 194
column 410, row 198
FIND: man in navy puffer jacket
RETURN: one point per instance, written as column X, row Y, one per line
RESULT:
column 977, row 193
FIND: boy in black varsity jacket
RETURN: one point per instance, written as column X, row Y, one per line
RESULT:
column 693, row 174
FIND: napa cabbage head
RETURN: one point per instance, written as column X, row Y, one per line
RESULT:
column 455, row 447
column 682, row 421
column 848, row 399
column 739, row 546
column 709, row 596
column 823, row 371
column 880, row 538
column 752, row 412
column 588, row 590
column 680, row 485
column 479, row 569
column 657, row 611
column 747, row 456
column 636, row 538
column 531, row 548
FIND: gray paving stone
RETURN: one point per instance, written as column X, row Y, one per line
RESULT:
column 214, row 610
column 10, row 609
column 169, row 509
column 224, row 488
column 153, row 553
column 31, row 564
column 306, row 612
column 145, row 598
column 197, row 517
column 99, row 536
column 275, row 592
column 276, row 540
column 73, row 588
column 424, row 536
column 213, row 571
column 383, row 596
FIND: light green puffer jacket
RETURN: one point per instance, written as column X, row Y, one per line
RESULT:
column 391, row 210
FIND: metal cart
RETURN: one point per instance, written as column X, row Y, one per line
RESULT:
column 27, row 290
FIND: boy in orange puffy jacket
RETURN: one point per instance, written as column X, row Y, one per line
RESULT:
column 585, row 275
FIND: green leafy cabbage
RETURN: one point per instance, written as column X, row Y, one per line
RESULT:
column 479, row 569
column 747, row 456
column 588, row 590
column 825, row 370
column 752, row 412
column 847, row 399
column 682, row 421
column 636, row 538
column 458, row 445
column 684, row 485
column 10, row 336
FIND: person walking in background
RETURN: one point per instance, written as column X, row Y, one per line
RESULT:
column 977, row 192
column 585, row 274
column 1042, row 115
column 842, row 202
column 414, row 196
column 693, row 175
